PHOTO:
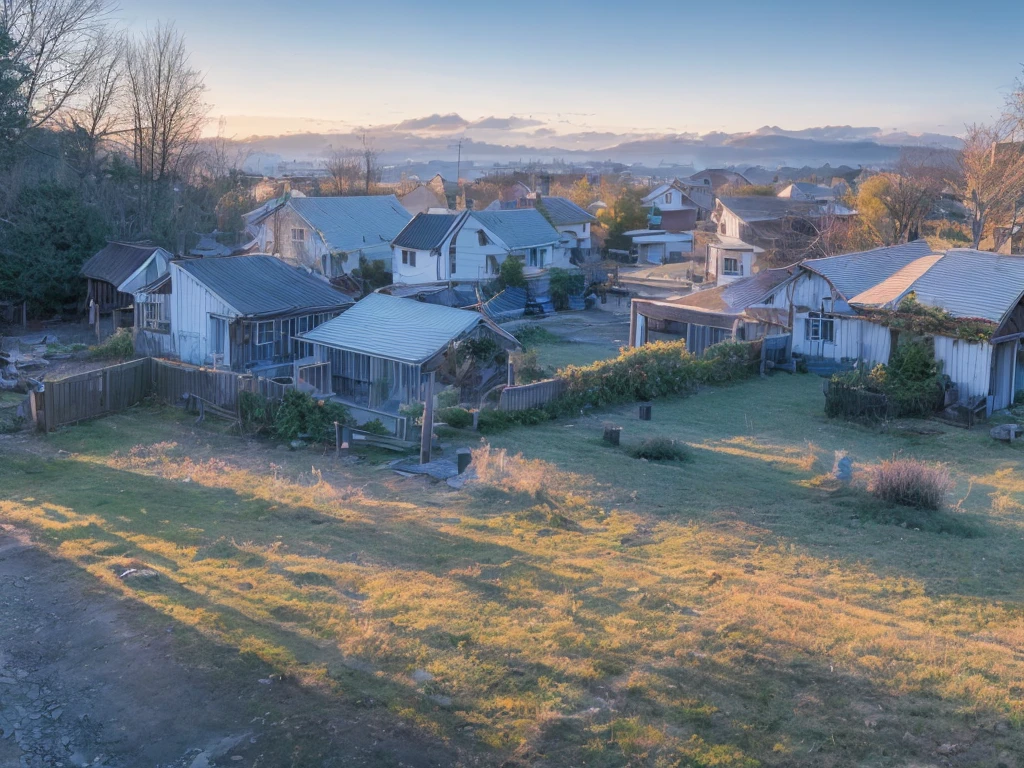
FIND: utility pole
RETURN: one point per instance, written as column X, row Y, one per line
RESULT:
column 458, row 162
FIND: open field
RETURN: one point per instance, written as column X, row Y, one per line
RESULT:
column 581, row 608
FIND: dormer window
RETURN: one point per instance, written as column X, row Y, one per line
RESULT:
column 482, row 237
column 668, row 198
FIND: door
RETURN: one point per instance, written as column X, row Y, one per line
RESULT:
column 1004, row 363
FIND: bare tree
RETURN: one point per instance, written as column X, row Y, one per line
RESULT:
column 345, row 169
column 59, row 43
column 371, row 170
column 990, row 177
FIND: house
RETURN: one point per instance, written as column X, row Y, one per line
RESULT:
column 115, row 271
column 779, row 224
column 573, row 223
column 748, row 309
column 716, row 178
column 421, row 199
column 802, row 190
column 679, row 211
column 470, row 246
column 825, row 326
column 244, row 312
column 329, row 235
column 729, row 259
column 383, row 350
column 983, row 290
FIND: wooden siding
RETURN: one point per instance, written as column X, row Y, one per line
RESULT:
column 191, row 306
column 968, row 364
column 96, row 393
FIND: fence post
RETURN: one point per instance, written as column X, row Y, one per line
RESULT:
column 426, row 438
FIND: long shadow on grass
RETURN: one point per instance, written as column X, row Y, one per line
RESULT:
column 763, row 702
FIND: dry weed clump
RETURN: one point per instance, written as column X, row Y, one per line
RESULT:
column 513, row 474
column 911, row 483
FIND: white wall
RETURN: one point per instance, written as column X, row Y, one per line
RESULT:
column 191, row 307
column 425, row 271
column 968, row 364
column 745, row 259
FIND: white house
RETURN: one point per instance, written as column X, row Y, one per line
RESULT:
column 329, row 235
column 679, row 211
column 470, row 246
column 573, row 223
column 729, row 259
column 656, row 246
column 745, row 218
column 802, row 190
column 245, row 310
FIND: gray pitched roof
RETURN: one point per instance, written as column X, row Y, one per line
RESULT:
column 734, row 297
column 352, row 223
column 561, row 211
column 263, row 285
column 116, row 262
column 763, row 208
column 426, row 231
column 405, row 330
column 853, row 273
column 522, row 228
column 969, row 283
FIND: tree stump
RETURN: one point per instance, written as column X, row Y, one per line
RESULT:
column 612, row 434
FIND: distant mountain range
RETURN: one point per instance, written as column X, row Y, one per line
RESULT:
column 492, row 141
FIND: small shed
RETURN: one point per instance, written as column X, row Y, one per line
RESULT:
column 383, row 349
column 116, row 271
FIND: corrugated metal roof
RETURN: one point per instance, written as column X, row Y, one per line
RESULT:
column 892, row 290
column 561, row 211
column 522, row 228
column 116, row 262
column 352, row 223
column 853, row 273
column 405, row 330
column 764, row 208
column 426, row 231
column 735, row 297
column 262, row 285
column 969, row 283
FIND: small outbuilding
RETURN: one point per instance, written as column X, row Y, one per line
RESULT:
column 116, row 271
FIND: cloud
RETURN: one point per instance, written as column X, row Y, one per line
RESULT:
column 449, row 122
column 544, row 132
column 505, row 123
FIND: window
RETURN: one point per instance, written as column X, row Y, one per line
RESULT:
column 668, row 198
column 533, row 257
column 730, row 266
column 409, row 258
column 153, row 317
column 770, row 301
column 298, row 235
column 218, row 332
column 481, row 237
column 451, row 258
column 819, row 328
column 721, row 228
column 264, row 333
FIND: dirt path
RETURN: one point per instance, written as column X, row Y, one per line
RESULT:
column 87, row 678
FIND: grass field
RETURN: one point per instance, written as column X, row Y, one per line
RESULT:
column 582, row 607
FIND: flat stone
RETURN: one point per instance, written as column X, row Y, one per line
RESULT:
column 56, row 714
column 422, row 676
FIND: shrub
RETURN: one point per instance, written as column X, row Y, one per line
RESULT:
column 448, row 398
column 659, row 449
column 911, row 483
column 497, row 421
column 299, row 415
column 119, row 346
column 255, row 412
column 531, row 335
column 563, row 284
column 456, row 417
column 528, row 368
column 910, row 385
column 375, row 427
column 511, row 275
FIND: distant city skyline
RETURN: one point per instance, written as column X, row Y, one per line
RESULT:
column 573, row 67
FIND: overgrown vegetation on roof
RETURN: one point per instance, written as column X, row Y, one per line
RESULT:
column 921, row 319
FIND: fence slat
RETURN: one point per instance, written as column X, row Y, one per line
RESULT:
column 526, row 396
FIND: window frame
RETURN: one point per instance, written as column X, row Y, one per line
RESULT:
column 451, row 257
column 216, row 341
column 302, row 237
column 737, row 272
column 820, row 327
column 261, row 338
column 668, row 198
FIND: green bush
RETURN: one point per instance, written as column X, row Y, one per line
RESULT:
column 119, row 346
column 528, row 368
column 497, row 421
column 375, row 427
column 448, row 398
column 909, row 386
column 510, row 274
column 299, row 415
column 651, row 371
column 456, row 417
column 564, row 284
column 255, row 412
column 532, row 335
column 659, row 449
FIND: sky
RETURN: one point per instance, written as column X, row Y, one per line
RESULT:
column 663, row 66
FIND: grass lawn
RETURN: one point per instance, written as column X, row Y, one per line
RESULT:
column 583, row 607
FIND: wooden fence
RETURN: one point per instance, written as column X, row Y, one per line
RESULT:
column 118, row 387
column 96, row 393
column 527, row 396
